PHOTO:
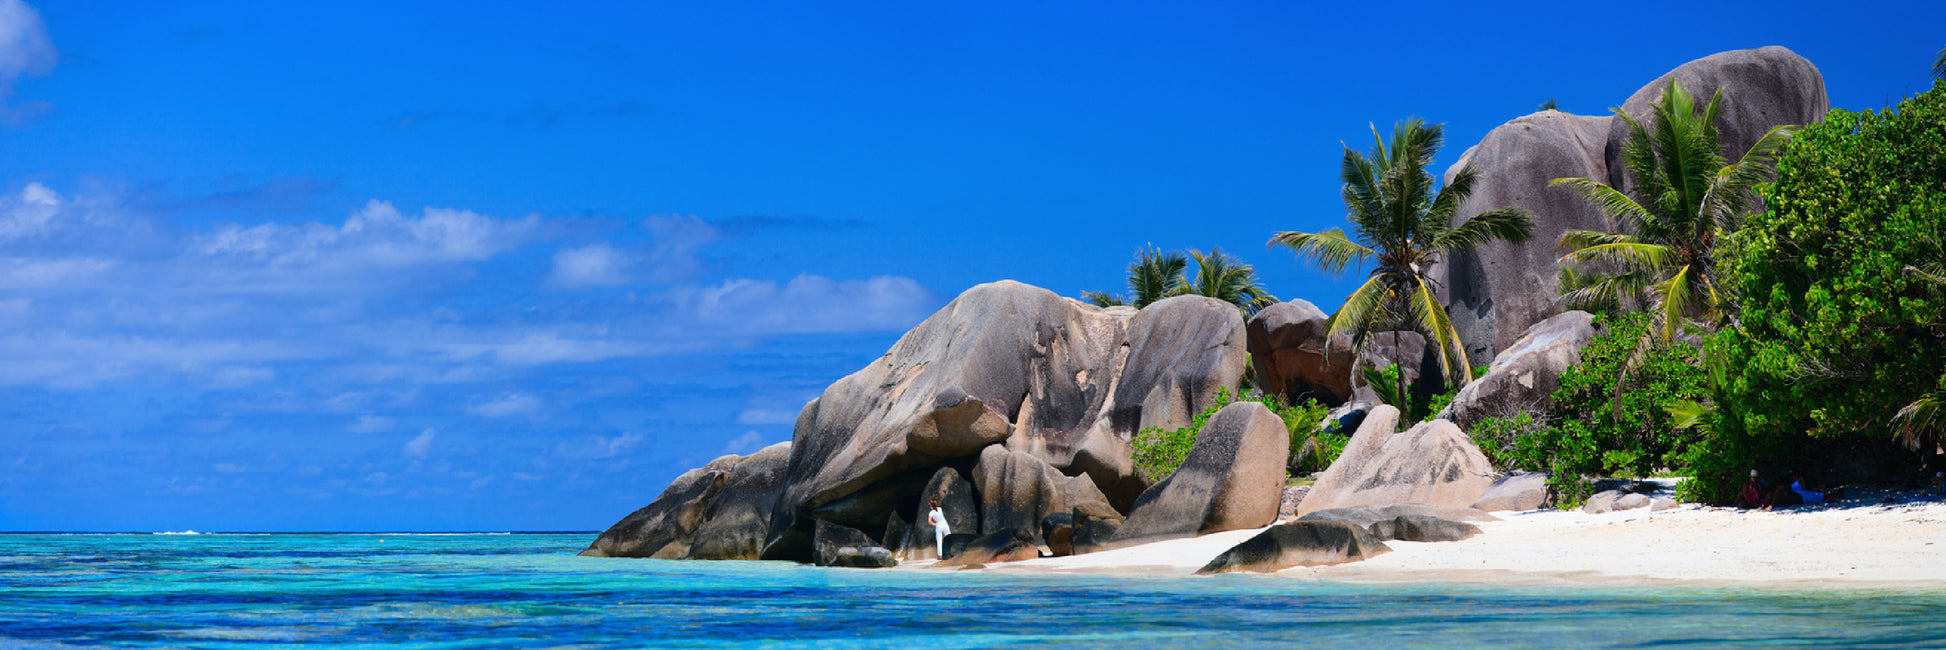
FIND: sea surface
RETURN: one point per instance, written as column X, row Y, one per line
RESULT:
column 529, row 590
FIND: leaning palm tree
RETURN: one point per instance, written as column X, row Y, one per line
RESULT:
column 1227, row 279
column 1687, row 201
column 1403, row 227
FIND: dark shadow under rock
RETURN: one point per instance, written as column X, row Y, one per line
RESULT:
column 1365, row 516
column 1009, row 545
column 839, row 546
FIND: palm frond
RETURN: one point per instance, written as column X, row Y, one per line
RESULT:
column 1432, row 319
column 1506, row 224
column 1330, row 250
column 1593, row 291
column 1939, row 65
column 1102, row 298
column 1225, row 278
column 1362, row 308
column 1629, row 254
column 1676, row 298
column 1688, row 414
column 1612, row 202
column 1926, row 415
column 1723, row 206
column 1155, row 275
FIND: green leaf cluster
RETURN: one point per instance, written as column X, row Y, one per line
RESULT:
column 1838, row 331
column 1158, row 452
column 1605, row 424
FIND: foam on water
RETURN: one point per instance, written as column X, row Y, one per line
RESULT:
column 522, row 590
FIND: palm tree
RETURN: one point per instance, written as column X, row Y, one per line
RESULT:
column 1939, row 65
column 1403, row 227
column 1687, row 201
column 1103, row 298
column 1227, row 279
column 1155, row 275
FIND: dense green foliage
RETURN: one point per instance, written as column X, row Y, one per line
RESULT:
column 1596, row 431
column 1159, row 452
column 1403, row 227
column 1838, row 332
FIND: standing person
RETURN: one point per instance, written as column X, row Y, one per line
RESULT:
column 940, row 530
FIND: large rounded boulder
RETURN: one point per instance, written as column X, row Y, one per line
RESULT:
column 1295, row 544
column 1233, row 478
column 1432, row 463
column 1524, row 375
column 720, row 511
column 1294, row 357
column 1762, row 88
column 1004, row 363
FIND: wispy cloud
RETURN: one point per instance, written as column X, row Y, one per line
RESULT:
column 747, row 443
column 370, row 424
column 766, row 416
column 25, row 49
column 509, row 405
column 419, row 446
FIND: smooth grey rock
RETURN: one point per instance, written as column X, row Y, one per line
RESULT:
column 1523, row 376
column 1659, row 504
column 1497, row 290
column 1516, row 491
column 1294, row 358
column 665, row 528
column 1365, row 516
column 1091, row 535
column 737, row 520
column 1017, row 490
column 848, row 547
column 1422, row 528
column 1432, row 463
column 1298, row 543
column 1057, row 531
column 957, row 500
column 1070, row 382
column 1762, row 88
column 1232, row 479
column 1614, row 501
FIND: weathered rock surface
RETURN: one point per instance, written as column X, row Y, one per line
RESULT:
column 1091, row 535
column 1366, row 516
column 1516, row 491
column 1614, row 501
column 1233, row 478
column 1496, row 291
column 1057, row 532
column 848, row 547
column 719, row 511
column 1762, row 88
column 1660, row 504
column 1004, row 546
column 957, row 501
column 1432, row 463
column 1064, row 382
column 1293, row 495
column 1298, row 543
column 1294, row 358
column 1418, row 366
column 1422, row 528
column 1524, row 375
column 1017, row 490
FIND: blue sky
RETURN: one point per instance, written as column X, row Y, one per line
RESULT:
column 491, row 266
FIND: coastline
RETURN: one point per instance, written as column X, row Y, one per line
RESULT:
column 1848, row 546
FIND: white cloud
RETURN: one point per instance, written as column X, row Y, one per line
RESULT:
column 418, row 447
column 238, row 376
column 25, row 49
column 370, row 424
column 596, row 265
column 766, row 416
column 29, row 212
column 597, row 447
column 375, row 238
column 747, row 443
column 810, row 303
column 512, row 404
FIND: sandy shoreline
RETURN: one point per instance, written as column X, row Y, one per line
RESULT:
column 1856, row 545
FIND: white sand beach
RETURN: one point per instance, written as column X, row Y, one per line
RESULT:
column 1853, row 545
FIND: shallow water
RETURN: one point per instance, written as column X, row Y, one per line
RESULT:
column 458, row 591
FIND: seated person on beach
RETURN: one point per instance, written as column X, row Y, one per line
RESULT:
column 1752, row 495
column 1798, row 493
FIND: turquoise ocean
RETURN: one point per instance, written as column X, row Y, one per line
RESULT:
column 529, row 590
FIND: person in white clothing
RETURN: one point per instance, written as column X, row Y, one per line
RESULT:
column 940, row 530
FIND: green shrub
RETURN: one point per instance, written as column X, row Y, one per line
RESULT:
column 1836, row 334
column 1159, row 452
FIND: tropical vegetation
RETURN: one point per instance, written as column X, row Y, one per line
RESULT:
column 1402, row 226
column 1158, row 452
column 1158, row 274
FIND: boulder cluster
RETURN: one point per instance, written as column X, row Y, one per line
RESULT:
column 1013, row 408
